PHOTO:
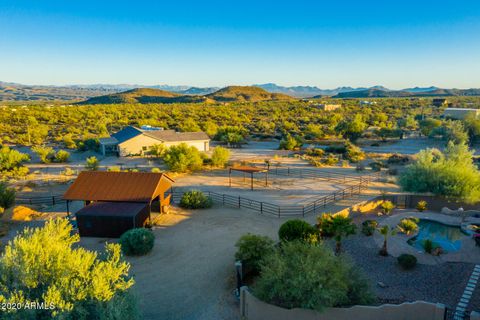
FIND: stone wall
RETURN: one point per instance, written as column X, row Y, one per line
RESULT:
column 252, row 308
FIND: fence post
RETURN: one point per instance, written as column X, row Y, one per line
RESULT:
column 343, row 194
column 223, row 198
column 288, row 171
column 261, row 207
column 279, row 212
column 314, row 207
column 324, row 202
column 303, row 211
column 53, row 200
column 239, row 202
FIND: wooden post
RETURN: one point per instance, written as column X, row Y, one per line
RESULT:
column 68, row 208
column 230, row 177
column 251, row 180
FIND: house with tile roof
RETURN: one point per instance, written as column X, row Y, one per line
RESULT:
column 133, row 141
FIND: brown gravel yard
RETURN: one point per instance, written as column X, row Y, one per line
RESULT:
column 189, row 273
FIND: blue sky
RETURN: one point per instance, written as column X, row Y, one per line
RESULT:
column 216, row 43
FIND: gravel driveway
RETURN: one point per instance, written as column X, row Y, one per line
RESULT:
column 190, row 273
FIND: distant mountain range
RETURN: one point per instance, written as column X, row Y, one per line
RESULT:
column 224, row 95
column 19, row 92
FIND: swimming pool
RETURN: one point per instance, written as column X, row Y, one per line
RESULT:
column 445, row 236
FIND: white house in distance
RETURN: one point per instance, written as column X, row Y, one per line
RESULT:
column 460, row 113
column 132, row 141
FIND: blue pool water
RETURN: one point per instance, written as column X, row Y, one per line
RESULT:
column 445, row 236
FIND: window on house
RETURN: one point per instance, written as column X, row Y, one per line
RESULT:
column 144, row 148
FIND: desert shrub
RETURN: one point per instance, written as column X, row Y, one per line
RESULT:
column 407, row 261
column 387, row 207
column 81, row 284
column 353, row 153
column 114, row 169
column 345, row 163
column 137, row 242
column 220, row 157
column 338, row 226
column 183, row 158
column 369, row 227
column 315, row 152
column 296, row 230
column 11, row 160
column 157, row 150
column 428, row 246
column 251, row 249
column 451, row 173
column 290, row 143
column 62, row 156
column 68, row 171
column 92, row 163
column 407, row 226
column 7, row 196
column 89, row 144
column 155, row 170
column 302, row 275
column 331, row 160
column 195, row 199
column 376, row 166
column 398, row 159
column 421, row 205
column 46, row 154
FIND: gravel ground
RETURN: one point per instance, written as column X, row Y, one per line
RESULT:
column 443, row 283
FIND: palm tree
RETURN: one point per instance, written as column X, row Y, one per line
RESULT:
column 385, row 231
column 341, row 227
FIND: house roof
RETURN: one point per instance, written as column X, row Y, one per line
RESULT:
column 116, row 186
column 112, row 209
column 171, row 135
column 130, row 132
column 110, row 140
column 126, row 133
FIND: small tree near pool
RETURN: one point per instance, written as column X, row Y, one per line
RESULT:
column 385, row 231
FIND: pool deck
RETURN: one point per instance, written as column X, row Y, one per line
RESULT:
column 398, row 245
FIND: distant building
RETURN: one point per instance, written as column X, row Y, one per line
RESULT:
column 460, row 113
column 368, row 103
column 138, row 141
column 439, row 102
column 328, row 107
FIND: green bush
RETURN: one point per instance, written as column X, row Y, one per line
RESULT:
column 7, row 196
column 376, row 166
column 137, row 242
column 290, row 143
column 387, row 207
column 82, row 284
column 296, row 230
column 302, row 275
column 62, row 156
column 422, row 205
column 252, row 249
column 195, row 199
column 353, row 153
column 407, row 226
column 11, row 160
column 183, row 158
column 369, row 227
column 46, row 154
column 330, row 160
column 451, row 173
column 220, row 157
column 407, row 261
column 92, row 163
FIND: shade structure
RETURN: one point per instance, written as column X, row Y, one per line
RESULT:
column 111, row 219
column 250, row 170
